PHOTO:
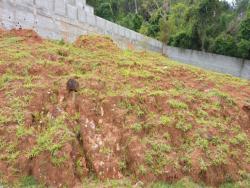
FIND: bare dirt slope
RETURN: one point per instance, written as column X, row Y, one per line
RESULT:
column 137, row 115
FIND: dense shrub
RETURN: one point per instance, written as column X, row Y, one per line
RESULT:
column 224, row 44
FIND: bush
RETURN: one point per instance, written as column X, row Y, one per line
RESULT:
column 244, row 49
column 181, row 39
column 245, row 29
column 132, row 21
column 105, row 11
column 224, row 44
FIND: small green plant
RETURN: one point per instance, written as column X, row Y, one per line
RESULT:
column 184, row 126
column 203, row 165
column 157, row 93
column 17, row 104
column 3, row 119
column 61, row 42
column 167, row 136
column 142, row 170
column 122, row 165
column 17, row 55
column 201, row 113
column 79, row 167
column 140, row 91
column 106, row 150
column 5, row 78
column 46, row 142
column 175, row 104
column 28, row 82
column 125, row 104
column 239, row 139
column 58, row 161
column 223, row 96
column 220, row 155
column 202, row 143
column 137, row 127
column 165, row 120
column 156, row 157
column 28, row 181
column 186, row 159
column 23, row 131
column 127, row 72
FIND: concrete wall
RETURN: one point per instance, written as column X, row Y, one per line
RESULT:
column 67, row 19
column 219, row 63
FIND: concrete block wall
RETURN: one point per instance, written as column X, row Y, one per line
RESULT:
column 219, row 63
column 68, row 19
column 55, row 19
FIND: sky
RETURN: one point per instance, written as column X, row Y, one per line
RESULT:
column 230, row 1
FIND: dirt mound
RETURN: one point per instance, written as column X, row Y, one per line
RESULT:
column 137, row 117
column 95, row 42
column 28, row 36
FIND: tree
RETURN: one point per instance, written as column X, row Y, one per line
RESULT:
column 205, row 14
column 224, row 44
column 207, row 25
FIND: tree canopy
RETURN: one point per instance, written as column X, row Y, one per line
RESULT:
column 209, row 25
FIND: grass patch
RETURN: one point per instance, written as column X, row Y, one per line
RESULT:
column 52, row 139
column 165, row 120
column 175, row 104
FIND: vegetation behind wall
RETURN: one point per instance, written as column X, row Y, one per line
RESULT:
column 208, row 25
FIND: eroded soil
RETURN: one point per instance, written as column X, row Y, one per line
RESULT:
column 137, row 115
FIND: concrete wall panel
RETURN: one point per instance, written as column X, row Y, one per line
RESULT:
column 28, row 3
column 45, row 5
column 245, row 71
column 71, row 2
column 72, row 12
column 60, row 7
column 25, row 19
column 91, row 19
column 82, row 15
column 100, row 22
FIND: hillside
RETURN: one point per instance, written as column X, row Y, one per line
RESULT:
column 138, row 116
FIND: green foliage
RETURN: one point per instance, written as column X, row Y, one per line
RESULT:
column 244, row 31
column 244, row 48
column 132, row 21
column 183, row 183
column 175, row 104
column 208, row 25
column 224, row 44
column 184, row 126
column 23, row 131
column 137, row 127
column 28, row 181
column 46, row 142
column 181, row 39
column 3, row 119
column 165, row 120
column 105, row 10
column 239, row 139
column 156, row 157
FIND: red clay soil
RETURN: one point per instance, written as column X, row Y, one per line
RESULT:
column 29, row 35
column 96, row 42
column 98, row 138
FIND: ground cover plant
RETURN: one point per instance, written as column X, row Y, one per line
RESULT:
column 138, row 118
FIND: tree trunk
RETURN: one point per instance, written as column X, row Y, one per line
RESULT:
column 136, row 7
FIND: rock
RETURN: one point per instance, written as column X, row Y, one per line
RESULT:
column 72, row 85
column 139, row 184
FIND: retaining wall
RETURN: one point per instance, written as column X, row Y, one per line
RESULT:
column 67, row 19
column 219, row 63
